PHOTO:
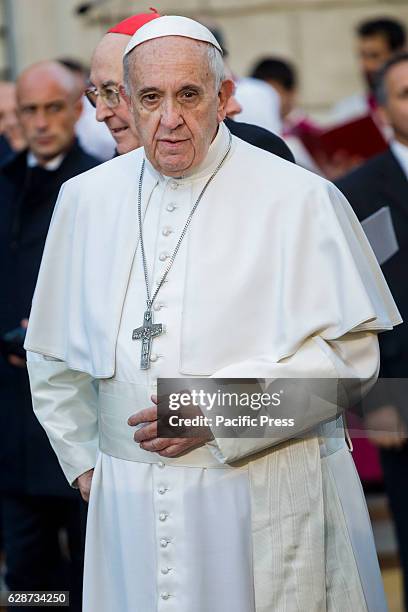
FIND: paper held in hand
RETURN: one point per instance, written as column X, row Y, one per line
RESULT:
column 380, row 232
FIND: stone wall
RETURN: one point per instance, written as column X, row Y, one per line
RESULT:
column 316, row 34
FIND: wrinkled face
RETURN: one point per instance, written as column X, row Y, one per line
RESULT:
column 373, row 52
column 175, row 104
column 107, row 71
column 396, row 108
column 47, row 113
column 9, row 124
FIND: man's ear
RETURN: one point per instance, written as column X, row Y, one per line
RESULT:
column 125, row 96
column 226, row 91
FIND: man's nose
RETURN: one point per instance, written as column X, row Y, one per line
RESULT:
column 41, row 120
column 171, row 115
column 103, row 111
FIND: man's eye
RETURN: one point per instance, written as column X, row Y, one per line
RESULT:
column 55, row 108
column 189, row 95
column 150, row 98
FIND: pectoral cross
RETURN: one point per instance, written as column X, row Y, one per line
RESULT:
column 146, row 333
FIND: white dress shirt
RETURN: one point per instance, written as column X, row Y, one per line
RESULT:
column 400, row 151
column 53, row 164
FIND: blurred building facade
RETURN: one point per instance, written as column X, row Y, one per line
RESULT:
column 318, row 35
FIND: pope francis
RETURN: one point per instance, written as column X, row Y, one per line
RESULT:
column 199, row 255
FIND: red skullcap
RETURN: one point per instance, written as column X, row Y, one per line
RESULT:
column 130, row 25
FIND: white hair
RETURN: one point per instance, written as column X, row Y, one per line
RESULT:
column 215, row 64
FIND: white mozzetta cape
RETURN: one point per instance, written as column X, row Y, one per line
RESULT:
column 270, row 242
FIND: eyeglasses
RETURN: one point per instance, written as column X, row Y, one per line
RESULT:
column 109, row 95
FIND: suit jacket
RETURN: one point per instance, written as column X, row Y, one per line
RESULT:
column 382, row 182
column 28, row 195
column 261, row 138
column 5, row 151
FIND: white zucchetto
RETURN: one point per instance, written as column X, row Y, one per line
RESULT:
column 172, row 25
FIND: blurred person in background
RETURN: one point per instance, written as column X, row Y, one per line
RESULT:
column 107, row 77
column 11, row 136
column 92, row 135
column 281, row 75
column 383, row 181
column 250, row 132
column 37, row 501
column 260, row 104
column 254, row 134
column 377, row 41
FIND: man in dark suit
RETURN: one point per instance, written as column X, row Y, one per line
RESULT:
column 37, row 502
column 383, row 181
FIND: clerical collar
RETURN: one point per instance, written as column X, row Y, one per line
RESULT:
column 215, row 153
column 400, row 151
column 53, row 164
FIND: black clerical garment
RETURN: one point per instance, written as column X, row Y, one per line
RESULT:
column 28, row 464
column 381, row 182
column 261, row 138
column 6, row 152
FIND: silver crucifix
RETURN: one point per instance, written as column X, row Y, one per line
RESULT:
column 146, row 333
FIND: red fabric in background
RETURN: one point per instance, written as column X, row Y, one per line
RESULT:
column 365, row 454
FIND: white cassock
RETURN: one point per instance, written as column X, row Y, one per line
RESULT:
column 275, row 278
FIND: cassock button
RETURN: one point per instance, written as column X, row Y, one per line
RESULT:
column 165, row 570
column 171, row 207
column 161, row 464
column 163, row 543
column 153, row 357
column 162, row 490
column 165, row 595
column 166, row 231
column 173, row 185
column 158, row 306
column 163, row 516
column 163, row 256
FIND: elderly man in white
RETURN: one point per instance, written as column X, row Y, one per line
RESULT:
column 257, row 269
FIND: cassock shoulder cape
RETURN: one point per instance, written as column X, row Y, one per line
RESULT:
column 295, row 234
